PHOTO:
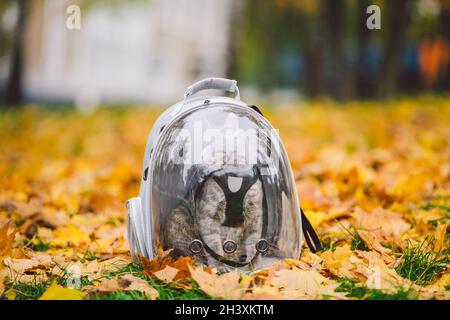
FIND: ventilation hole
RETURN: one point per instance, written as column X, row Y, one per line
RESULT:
column 229, row 246
column 162, row 128
column 262, row 246
column 145, row 174
column 196, row 246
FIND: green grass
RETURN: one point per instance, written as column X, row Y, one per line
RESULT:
column 356, row 290
column 39, row 246
column 166, row 291
column 25, row 291
column 421, row 264
column 36, row 244
column 357, row 243
column 34, row 290
column 442, row 207
column 88, row 256
column 121, row 295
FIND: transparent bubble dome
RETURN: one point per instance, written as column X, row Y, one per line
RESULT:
column 223, row 190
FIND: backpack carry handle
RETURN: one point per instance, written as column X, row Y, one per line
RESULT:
column 213, row 83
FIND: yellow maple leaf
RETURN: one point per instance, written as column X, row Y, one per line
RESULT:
column 341, row 262
column 70, row 235
column 57, row 292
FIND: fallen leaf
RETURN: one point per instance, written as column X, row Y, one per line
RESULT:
column 115, row 264
column 126, row 282
column 224, row 286
column 387, row 224
column 70, row 235
column 108, row 285
column 162, row 260
column 263, row 293
column 373, row 243
column 54, row 218
column 23, row 265
column 10, row 294
column 440, row 236
column 341, row 262
column 129, row 282
column 378, row 275
column 3, row 277
column 300, row 284
column 57, row 292
column 444, row 281
column 167, row 274
column 106, row 232
column 7, row 235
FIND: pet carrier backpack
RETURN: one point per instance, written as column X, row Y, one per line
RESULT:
column 217, row 185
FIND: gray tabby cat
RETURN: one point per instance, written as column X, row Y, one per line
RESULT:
column 180, row 228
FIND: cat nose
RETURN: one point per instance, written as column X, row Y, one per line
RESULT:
column 242, row 258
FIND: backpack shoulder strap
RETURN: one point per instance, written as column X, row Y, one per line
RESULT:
column 311, row 237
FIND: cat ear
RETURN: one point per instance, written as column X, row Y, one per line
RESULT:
column 253, row 201
column 256, row 188
column 211, row 198
column 211, row 189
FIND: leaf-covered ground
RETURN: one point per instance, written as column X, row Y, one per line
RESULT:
column 374, row 178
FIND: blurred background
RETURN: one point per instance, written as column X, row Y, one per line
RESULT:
column 149, row 51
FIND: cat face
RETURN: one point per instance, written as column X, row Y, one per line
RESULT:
column 211, row 217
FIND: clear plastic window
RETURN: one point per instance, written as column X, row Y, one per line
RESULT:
column 222, row 190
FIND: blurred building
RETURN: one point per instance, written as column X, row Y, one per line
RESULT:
column 142, row 51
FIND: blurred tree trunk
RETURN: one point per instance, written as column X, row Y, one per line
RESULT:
column 341, row 84
column 237, row 10
column 364, row 87
column 312, row 47
column 398, row 16
column 14, row 94
column 256, row 44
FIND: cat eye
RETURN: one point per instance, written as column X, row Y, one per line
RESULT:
column 262, row 246
column 229, row 246
column 196, row 246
